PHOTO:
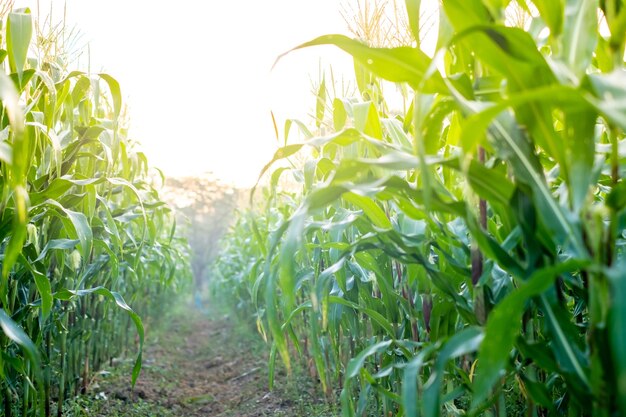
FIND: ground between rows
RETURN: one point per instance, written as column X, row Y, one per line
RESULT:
column 199, row 364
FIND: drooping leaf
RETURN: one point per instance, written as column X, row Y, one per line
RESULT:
column 17, row 335
column 401, row 64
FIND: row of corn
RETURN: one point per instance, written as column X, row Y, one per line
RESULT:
column 465, row 256
column 83, row 231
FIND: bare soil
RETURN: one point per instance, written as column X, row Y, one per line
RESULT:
column 201, row 365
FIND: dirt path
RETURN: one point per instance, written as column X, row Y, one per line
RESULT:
column 200, row 366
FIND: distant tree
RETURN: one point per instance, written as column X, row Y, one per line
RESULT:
column 205, row 206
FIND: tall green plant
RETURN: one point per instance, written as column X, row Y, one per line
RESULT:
column 465, row 257
column 83, row 232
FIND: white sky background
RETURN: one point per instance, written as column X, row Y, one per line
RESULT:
column 196, row 74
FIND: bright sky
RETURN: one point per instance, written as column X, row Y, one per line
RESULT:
column 196, row 73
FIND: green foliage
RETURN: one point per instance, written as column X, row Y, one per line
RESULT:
column 465, row 257
column 83, row 230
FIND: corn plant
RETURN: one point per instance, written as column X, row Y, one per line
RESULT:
column 465, row 257
column 83, row 232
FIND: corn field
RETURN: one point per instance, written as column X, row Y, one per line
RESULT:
column 83, row 232
column 464, row 256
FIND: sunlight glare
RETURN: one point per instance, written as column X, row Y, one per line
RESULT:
column 196, row 75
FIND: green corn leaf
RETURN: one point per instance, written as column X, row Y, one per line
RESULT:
column 608, row 95
column 580, row 31
column 538, row 392
column 57, row 244
column 402, row 64
column 466, row 341
column 413, row 13
column 563, row 344
column 510, row 141
column 17, row 335
column 18, row 236
column 302, row 128
column 116, row 94
column 340, row 114
column 43, row 287
column 80, row 224
column 18, row 34
column 551, row 11
column 82, row 86
column 466, row 13
column 15, row 189
column 68, row 295
column 320, row 104
column 370, row 208
column 617, row 337
column 410, row 399
column 366, row 119
column 271, row 295
column 504, row 324
column 356, row 364
column 281, row 153
column 374, row 315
